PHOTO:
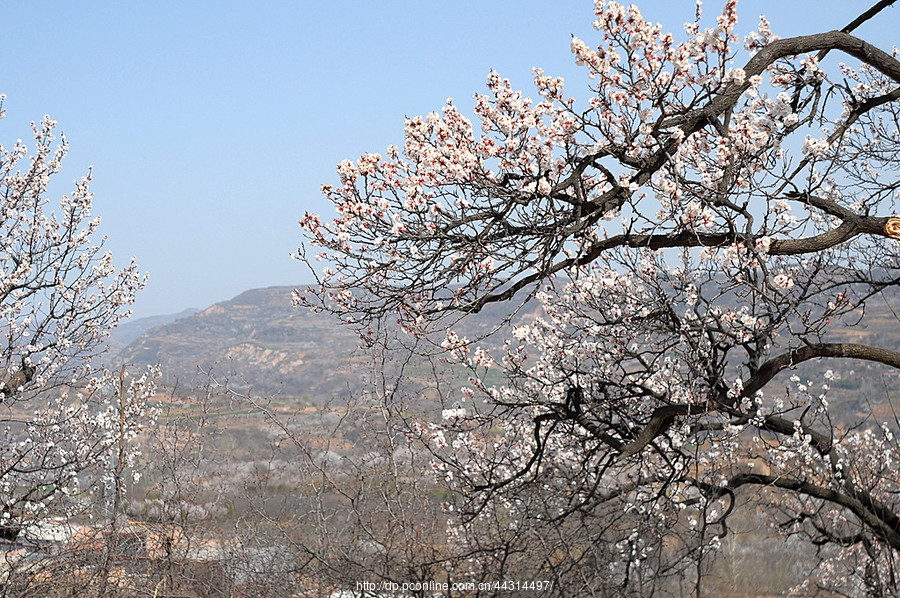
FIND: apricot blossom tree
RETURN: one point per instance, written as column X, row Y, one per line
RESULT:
column 693, row 228
column 63, row 417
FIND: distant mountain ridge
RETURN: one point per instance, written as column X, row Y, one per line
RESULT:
column 257, row 340
column 260, row 342
column 130, row 330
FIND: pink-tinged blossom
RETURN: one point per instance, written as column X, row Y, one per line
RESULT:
column 453, row 414
column 783, row 281
column 814, row 146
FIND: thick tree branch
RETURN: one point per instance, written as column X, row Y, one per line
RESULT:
column 772, row 367
column 875, row 516
column 853, row 226
column 832, row 40
column 865, row 16
column 660, row 421
column 663, row 417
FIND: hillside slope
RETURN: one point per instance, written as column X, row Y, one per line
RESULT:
column 257, row 340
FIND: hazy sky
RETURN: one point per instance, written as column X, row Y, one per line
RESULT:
column 211, row 125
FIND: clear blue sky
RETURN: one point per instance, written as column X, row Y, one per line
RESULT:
column 211, row 125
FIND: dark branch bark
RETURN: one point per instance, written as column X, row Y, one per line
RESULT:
column 853, row 226
column 875, row 516
column 660, row 421
column 662, row 417
column 867, row 15
column 832, row 40
column 770, row 369
column 780, row 425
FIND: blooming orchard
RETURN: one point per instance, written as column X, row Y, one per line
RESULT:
column 692, row 227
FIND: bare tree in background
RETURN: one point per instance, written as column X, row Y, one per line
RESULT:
column 695, row 227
